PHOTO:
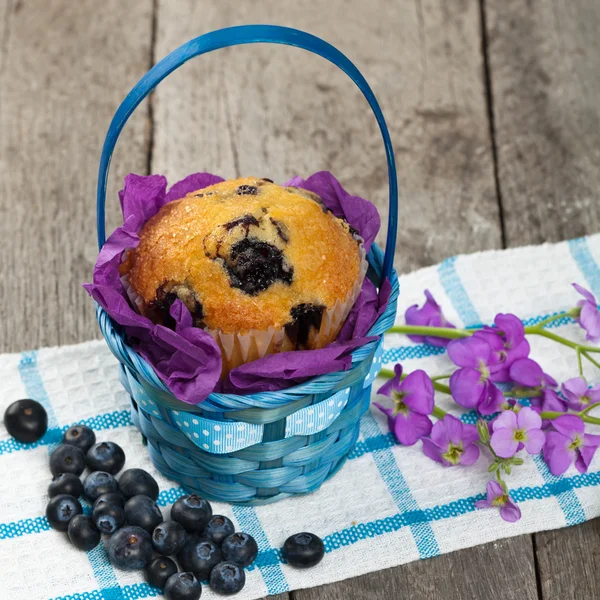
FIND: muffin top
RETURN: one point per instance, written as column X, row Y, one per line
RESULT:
column 244, row 254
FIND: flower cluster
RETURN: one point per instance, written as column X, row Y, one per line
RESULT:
column 526, row 413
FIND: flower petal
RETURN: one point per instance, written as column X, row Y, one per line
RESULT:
column 569, row 425
column 510, row 512
column 470, row 434
column 454, row 429
column 574, row 388
column 483, row 504
column 468, row 352
column 556, row 455
column 470, row 455
column 527, row 372
column 431, row 450
column 589, row 319
column 528, row 419
column 409, row 429
column 535, row 440
column 552, row 402
column 585, row 293
column 492, row 401
column 505, row 420
column 418, row 388
column 503, row 443
column 493, row 490
column 467, row 388
column 512, row 328
column 393, row 385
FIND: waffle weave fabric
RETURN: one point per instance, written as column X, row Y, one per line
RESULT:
column 388, row 501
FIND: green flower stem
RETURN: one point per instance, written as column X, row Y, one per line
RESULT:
column 438, row 412
column 591, row 407
column 579, row 363
column 443, row 332
column 594, row 362
column 441, row 377
column 551, row 414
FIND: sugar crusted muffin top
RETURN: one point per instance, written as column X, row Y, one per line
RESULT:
column 244, row 254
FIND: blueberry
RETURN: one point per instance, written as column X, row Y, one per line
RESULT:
column 98, row 483
column 26, row 420
column 183, row 586
column 227, row 578
column 218, row 528
column 81, row 436
column 192, row 512
column 83, row 533
column 303, row 550
column 67, row 459
column 115, row 498
column 61, row 509
column 159, row 569
column 240, row 548
column 130, row 548
column 199, row 555
column 143, row 512
column 105, row 456
column 247, row 190
column 65, row 483
column 169, row 537
column 108, row 517
column 134, row 482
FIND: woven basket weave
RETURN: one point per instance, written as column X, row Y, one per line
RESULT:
column 260, row 447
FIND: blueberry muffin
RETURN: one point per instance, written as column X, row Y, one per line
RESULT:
column 261, row 267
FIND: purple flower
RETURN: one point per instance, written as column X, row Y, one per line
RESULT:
column 470, row 385
column 497, row 497
column 527, row 373
column 507, row 340
column 430, row 315
column 578, row 394
column 413, row 401
column 452, row 443
column 589, row 317
column 569, row 443
column 513, row 431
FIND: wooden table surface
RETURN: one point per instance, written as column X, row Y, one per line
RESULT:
column 493, row 109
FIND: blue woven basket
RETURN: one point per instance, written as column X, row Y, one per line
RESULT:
column 262, row 447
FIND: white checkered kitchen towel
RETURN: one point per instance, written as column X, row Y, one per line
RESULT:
column 388, row 501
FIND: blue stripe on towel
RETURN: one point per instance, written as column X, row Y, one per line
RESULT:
column 456, row 292
column 268, row 560
column 553, row 488
column 34, row 387
column 392, row 476
column 580, row 251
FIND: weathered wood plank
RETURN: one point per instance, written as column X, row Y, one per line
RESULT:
column 277, row 112
column 545, row 64
column 569, row 562
column 503, row 569
column 544, row 58
column 64, row 70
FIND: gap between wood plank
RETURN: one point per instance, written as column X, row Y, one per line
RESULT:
column 538, row 578
column 489, row 98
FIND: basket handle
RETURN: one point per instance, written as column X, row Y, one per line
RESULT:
column 233, row 36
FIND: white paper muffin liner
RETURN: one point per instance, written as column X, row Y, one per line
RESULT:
column 240, row 348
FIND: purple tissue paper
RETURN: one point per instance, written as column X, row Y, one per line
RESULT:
column 188, row 360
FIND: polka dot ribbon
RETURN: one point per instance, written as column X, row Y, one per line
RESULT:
column 221, row 437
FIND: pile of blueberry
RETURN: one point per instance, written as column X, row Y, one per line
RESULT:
column 206, row 546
